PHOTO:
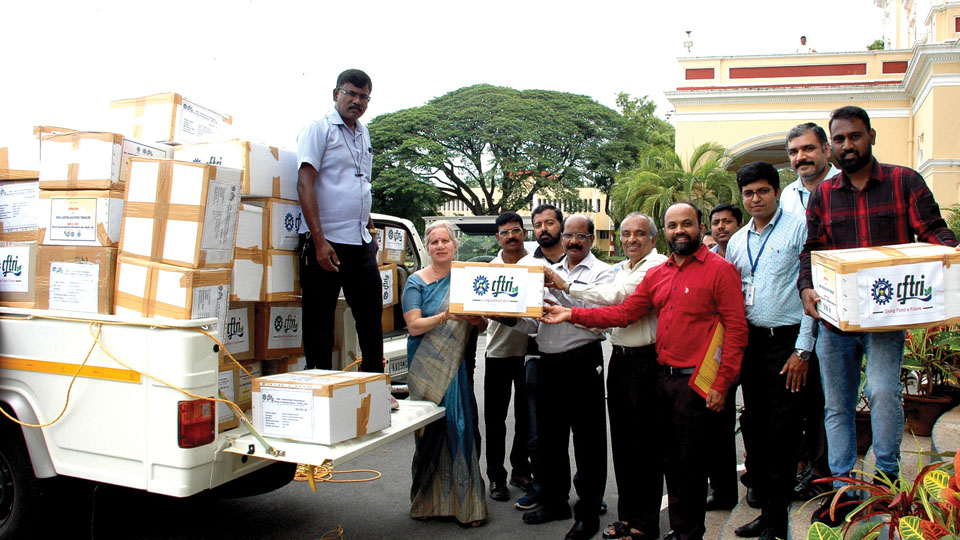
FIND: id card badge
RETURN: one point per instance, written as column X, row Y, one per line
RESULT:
column 748, row 295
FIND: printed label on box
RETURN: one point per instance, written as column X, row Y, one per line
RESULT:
column 18, row 203
column 219, row 227
column 15, row 269
column 905, row 294
column 226, row 387
column 199, row 122
column 386, row 280
column 74, row 286
column 395, row 238
column 825, row 284
column 495, row 289
column 284, row 327
column 287, row 412
column 236, row 335
column 73, row 219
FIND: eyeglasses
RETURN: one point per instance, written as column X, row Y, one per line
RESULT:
column 516, row 231
column 632, row 234
column 763, row 192
column 351, row 93
column 580, row 236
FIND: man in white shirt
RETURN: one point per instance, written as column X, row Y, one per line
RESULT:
column 804, row 48
column 337, row 246
column 631, row 383
column 571, row 354
column 809, row 152
column 505, row 370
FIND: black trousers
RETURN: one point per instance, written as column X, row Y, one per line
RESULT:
column 637, row 463
column 570, row 398
column 360, row 280
column 684, row 427
column 502, row 377
column 813, row 448
column 773, row 440
column 722, row 462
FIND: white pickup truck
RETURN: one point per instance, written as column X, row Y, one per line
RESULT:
column 124, row 428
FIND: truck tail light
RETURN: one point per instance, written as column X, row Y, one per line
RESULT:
column 196, row 423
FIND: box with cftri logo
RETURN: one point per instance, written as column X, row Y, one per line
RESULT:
column 505, row 290
column 885, row 288
column 18, row 274
column 237, row 334
column 279, row 327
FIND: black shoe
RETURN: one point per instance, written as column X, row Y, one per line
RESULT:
column 582, row 530
column 845, row 504
column 713, row 503
column 671, row 536
column 753, row 498
column 752, row 529
column 523, row 482
column 547, row 514
column 772, row 534
column 808, row 489
column 807, row 471
column 499, row 491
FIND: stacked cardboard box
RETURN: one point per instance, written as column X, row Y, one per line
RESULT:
column 19, row 192
column 268, row 171
column 169, row 118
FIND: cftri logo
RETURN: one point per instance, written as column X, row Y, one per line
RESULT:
column 11, row 265
column 286, row 324
column 912, row 289
column 502, row 285
column 234, row 328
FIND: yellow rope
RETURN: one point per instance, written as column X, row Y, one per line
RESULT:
column 337, row 533
column 324, row 473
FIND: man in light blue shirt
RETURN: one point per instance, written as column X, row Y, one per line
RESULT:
column 766, row 253
column 337, row 246
column 809, row 153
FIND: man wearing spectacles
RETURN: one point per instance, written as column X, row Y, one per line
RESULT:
column 337, row 244
column 766, row 252
column 569, row 353
column 505, row 370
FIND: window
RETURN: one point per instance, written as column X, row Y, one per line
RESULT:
column 604, row 235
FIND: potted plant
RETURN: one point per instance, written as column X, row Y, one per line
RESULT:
column 926, row 364
column 926, row 508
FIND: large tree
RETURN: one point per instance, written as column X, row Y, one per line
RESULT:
column 398, row 192
column 509, row 144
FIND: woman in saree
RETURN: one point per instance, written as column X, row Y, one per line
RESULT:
column 446, row 467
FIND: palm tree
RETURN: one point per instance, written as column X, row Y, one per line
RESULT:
column 661, row 179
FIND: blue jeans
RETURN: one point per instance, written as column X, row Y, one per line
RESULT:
column 840, row 357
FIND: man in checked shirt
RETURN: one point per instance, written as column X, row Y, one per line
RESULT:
column 868, row 204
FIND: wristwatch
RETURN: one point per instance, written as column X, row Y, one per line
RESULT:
column 802, row 354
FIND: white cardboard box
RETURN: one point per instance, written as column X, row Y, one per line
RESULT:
column 91, row 160
column 20, row 161
column 169, row 118
column 888, row 287
column 268, row 171
column 237, row 334
column 248, row 255
column 281, row 222
column 180, row 213
column 245, row 384
column 76, row 278
column 321, row 406
column 86, row 217
column 160, row 290
column 18, row 210
column 506, row 290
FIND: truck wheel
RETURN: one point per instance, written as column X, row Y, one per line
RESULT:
column 19, row 489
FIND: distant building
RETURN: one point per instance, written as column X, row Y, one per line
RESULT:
column 748, row 103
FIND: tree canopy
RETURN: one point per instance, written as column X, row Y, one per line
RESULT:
column 509, row 145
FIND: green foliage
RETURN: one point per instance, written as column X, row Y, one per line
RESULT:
column 398, row 193
column 509, row 144
column 787, row 177
column 953, row 219
column 661, row 179
column 877, row 45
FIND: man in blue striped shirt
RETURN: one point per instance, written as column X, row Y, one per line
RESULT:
column 766, row 253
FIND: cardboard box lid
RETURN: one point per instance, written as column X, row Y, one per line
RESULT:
column 851, row 260
column 322, row 382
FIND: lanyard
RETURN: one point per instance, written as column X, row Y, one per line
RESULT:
column 357, row 154
column 754, row 263
column 800, row 196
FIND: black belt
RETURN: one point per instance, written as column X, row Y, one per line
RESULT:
column 632, row 351
column 775, row 331
column 677, row 371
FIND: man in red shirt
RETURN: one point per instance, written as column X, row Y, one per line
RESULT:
column 690, row 292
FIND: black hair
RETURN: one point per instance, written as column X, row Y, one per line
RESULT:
column 355, row 77
column 758, row 170
column 509, row 217
column 543, row 208
column 800, row 129
column 727, row 207
column 849, row 112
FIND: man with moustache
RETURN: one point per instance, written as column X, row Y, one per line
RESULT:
column 505, row 370
column 569, row 353
column 631, row 383
column 337, row 246
column 868, row 204
column 774, row 368
column 692, row 291
column 725, row 219
column 809, row 153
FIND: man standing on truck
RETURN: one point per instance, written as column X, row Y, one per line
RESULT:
column 505, row 370
column 338, row 248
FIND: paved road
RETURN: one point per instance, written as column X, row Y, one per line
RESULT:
column 378, row 509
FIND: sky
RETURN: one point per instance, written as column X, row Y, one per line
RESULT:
column 273, row 64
